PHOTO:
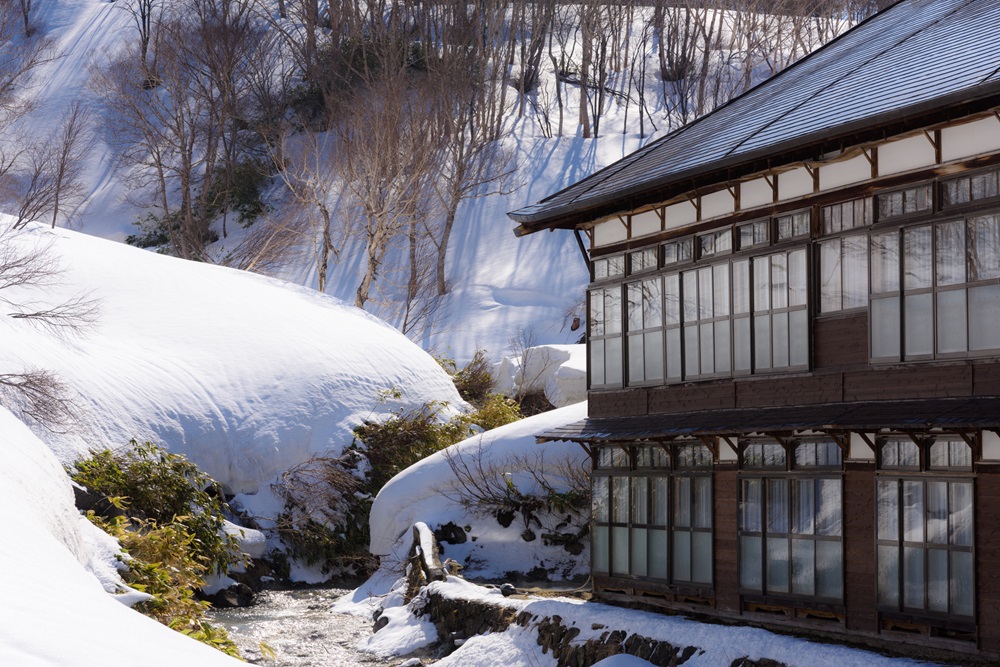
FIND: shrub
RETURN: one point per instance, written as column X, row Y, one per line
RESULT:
column 164, row 561
column 475, row 381
column 163, row 488
column 496, row 410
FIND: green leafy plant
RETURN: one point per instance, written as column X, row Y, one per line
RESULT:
column 154, row 485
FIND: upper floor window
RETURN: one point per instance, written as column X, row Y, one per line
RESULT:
column 642, row 260
column 609, row 267
column 909, row 201
column 719, row 242
column 970, row 188
column 844, row 216
column 753, row 234
column 843, row 273
column 605, row 337
column 678, row 251
column 793, row 225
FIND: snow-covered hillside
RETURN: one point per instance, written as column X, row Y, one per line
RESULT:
column 243, row 374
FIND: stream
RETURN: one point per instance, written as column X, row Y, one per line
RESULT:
column 299, row 627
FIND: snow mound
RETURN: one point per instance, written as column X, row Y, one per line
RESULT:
column 559, row 371
column 428, row 491
column 55, row 611
column 243, row 374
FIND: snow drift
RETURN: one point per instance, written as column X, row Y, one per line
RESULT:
column 244, row 375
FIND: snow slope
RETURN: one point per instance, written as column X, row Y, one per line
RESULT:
column 54, row 611
column 427, row 491
column 243, row 374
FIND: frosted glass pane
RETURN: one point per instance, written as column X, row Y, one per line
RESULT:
column 692, row 356
column 830, row 285
column 855, row 271
column 657, row 566
column 612, row 310
column 962, row 593
column 885, row 327
column 673, row 353
column 761, row 284
column 803, row 509
column 798, row 333
column 797, row 278
column 682, row 555
column 741, row 287
column 913, row 577
column 961, row 514
column 705, row 305
column 828, row 515
column 750, row 505
column 619, row 550
column 777, row 506
column 913, row 511
column 619, row 499
column 722, row 347
column 701, row 558
column 937, row 512
column 779, row 330
column 937, row 580
column 951, row 321
column 636, row 360
column 803, row 564
column 888, row 510
column 777, row 566
column 652, row 303
column 888, row 576
column 596, row 362
column 599, row 549
column 653, row 348
column 885, row 262
column 661, row 490
column 634, row 307
column 682, row 502
column 613, row 361
column 639, row 552
column 707, row 341
column 690, row 296
column 600, row 499
column 919, row 317
column 762, row 341
column 984, row 315
column 751, row 563
column 640, row 499
column 829, row 565
column 741, row 344
column 950, row 253
column 703, row 502
column 672, row 299
column 984, row 247
column 779, row 281
column 917, row 254
column 720, row 282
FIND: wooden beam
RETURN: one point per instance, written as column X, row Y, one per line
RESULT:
column 733, row 446
column 842, row 440
column 932, row 137
column 868, row 441
column 712, row 444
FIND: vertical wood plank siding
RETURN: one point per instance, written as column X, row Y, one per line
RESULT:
column 988, row 555
column 859, row 547
column 724, row 530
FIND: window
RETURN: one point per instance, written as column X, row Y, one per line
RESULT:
column 753, row 234
column 652, row 512
column 715, row 243
column 793, row 226
column 645, row 330
column 971, row 188
column 935, row 289
column 925, row 528
column 642, row 260
column 605, row 337
column 843, row 273
column 780, row 316
column 707, row 328
column 906, row 202
column 844, row 216
column 790, row 528
column 609, row 267
column 676, row 252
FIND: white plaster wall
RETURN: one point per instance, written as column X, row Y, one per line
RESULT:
column 647, row 222
column 981, row 136
column 991, row 446
column 680, row 214
column 845, row 172
column 726, row 452
column 794, row 183
column 858, row 449
column 904, row 155
column 755, row 193
column 717, row 204
column 608, row 232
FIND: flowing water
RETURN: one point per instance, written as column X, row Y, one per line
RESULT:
column 298, row 626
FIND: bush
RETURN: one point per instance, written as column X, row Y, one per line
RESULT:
column 475, row 381
column 164, row 561
column 163, row 488
column 496, row 410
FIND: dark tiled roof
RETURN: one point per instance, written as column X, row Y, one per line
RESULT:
column 913, row 58
column 944, row 413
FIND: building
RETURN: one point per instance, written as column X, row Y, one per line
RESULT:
column 794, row 343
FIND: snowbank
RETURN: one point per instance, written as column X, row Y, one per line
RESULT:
column 559, row 371
column 426, row 491
column 244, row 375
column 54, row 611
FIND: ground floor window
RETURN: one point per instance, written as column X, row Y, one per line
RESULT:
column 925, row 546
column 652, row 513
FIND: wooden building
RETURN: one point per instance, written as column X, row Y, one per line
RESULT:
column 794, row 343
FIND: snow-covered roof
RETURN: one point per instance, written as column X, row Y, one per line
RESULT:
column 898, row 70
